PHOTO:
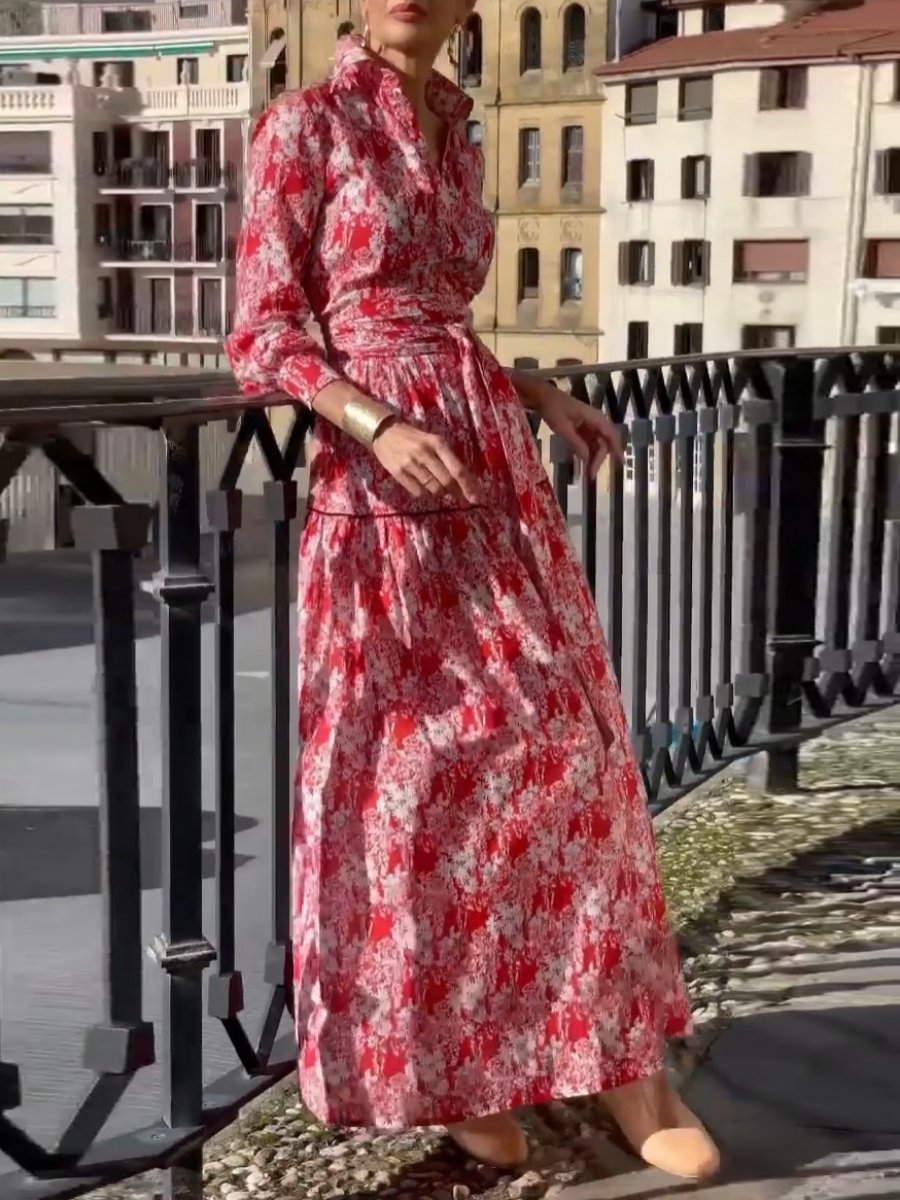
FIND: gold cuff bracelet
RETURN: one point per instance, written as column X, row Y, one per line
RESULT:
column 363, row 423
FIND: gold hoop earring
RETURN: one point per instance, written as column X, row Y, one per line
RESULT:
column 367, row 36
column 453, row 44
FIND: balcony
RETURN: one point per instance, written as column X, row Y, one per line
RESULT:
column 749, row 584
column 152, row 174
column 62, row 101
column 159, row 16
column 149, row 251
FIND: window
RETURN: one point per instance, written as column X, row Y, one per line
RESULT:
column 639, row 182
column 160, row 305
column 666, row 24
column 193, row 12
column 104, row 298
column 209, row 307
column 714, row 18
column 188, row 70
column 530, row 49
column 887, row 172
column 27, row 297
column 640, row 103
column 208, row 233
column 637, row 263
column 573, row 37
column 102, row 225
column 573, row 156
column 771, row 262
column 768, row 337
column 571, row 274
column 235, row 67
column 126, row 21
column 881, row 259
column 25, row 153
column 690, row 263
column 474, row 133
column 208, row 150
column 782, row 87
column 779, row 173
column 695, row 98
column 26, row 225
column 471, row 53
column 695, row 177
column 100, row 151
column 688, row 339
column 529, row 157
column 117, row 73
column 529, row 273
column 638, row 345
column 888, row 335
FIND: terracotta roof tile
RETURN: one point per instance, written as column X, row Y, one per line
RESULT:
column 849, row 29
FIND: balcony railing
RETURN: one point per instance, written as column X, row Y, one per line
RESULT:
column 142, row 250
column 152, row 174
column 18, row 312
column 151, row 17
column 146, row 321
column 750, row 591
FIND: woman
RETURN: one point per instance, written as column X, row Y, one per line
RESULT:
column 478, row 921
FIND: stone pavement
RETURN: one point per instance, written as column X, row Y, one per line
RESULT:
column 788, row 909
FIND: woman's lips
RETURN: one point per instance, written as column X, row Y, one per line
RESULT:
column 407, row 12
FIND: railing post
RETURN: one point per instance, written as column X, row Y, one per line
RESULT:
column 798, row 453
column 182, row 950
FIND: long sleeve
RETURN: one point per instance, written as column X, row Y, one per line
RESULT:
column 270, row 348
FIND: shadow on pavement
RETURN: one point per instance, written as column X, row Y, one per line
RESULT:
column 55, row 852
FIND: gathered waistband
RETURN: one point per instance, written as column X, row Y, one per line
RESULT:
column 396, row 338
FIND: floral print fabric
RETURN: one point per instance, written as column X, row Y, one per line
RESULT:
column 478, row 921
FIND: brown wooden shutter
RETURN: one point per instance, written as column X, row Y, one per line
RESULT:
column 651, row 262
column 651, row 179
column 704, row 267
column 184, row 303
column 677, row 263
column 768, row 89
column 707, row 175
column 751, row 175
column 624, row 262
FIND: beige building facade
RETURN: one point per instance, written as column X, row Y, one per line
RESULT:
column 782, row 230
column 537, row 113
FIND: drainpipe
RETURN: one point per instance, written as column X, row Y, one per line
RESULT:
column 856, row 216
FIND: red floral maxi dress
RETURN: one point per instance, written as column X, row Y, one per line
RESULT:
column 478, row 921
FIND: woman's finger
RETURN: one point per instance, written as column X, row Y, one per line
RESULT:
column 459, row 473
column 576, row 441
column 598, row 458
column 411, row 483
column 425, row 478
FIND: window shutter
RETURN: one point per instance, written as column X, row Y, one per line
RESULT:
column 623, row 262
column 686, row 172
column 706, row 190
column 768, row 89
column 804, row 173
column 651, row 185
column 751, row 175
column 677, row 263
column 881, row 173
column 651, row 262
column 707, row 254
column 796, row 87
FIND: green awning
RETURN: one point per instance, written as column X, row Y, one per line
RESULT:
column 105, row 53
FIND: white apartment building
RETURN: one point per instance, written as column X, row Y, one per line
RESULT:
column 122, row 136
column 751, row 181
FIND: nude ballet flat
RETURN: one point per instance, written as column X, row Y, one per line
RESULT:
column 656, row 1124
column 497, row 1141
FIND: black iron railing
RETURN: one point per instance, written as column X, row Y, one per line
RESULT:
column 746, row 562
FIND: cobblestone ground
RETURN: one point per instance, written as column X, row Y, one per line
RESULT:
column 761, row 890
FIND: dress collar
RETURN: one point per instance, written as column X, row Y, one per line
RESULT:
column 353, row 60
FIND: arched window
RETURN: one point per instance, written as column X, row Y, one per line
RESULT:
column 274, row 60
column 470, row 55
column 474, row 133
column 345, row 29
column 573, row 37
column 529, row 273
column 530, row 48
column 571, row 273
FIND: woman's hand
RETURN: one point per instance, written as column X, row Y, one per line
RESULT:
column 424, row 464
column 592, row 436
